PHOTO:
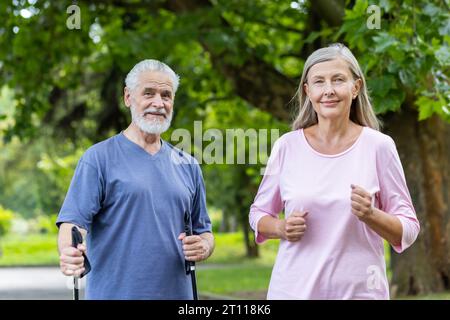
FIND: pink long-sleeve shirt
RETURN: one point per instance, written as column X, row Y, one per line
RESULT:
column 339, row 257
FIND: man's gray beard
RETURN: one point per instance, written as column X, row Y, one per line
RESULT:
column 151, row 126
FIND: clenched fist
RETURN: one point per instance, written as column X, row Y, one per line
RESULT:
column 361, row 202
column 71, row 260
column 195, row 248
column 293, row 228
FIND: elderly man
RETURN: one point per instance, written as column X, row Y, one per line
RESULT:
column 129, row 196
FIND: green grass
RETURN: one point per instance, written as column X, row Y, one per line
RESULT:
column 230, row 250
column 234, row 280
column 28, row 250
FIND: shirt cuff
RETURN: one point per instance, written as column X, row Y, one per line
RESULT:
column 256, row 216
column 410, row 231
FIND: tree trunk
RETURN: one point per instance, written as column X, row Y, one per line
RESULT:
column 424, row 148
column 225, row 223
column 229, row 222
column 251, row 248
column 242, row 201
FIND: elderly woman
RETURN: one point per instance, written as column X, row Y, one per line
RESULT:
column 341, row 185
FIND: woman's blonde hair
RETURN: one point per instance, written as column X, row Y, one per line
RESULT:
column 361, row 111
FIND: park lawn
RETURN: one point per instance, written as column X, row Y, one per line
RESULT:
column 242, row 281
column 29, row 250
column 230, row 250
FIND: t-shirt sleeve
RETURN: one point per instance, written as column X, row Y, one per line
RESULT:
column 268, row 199
column 83, row 199
column 201, row 222
column 395, row 199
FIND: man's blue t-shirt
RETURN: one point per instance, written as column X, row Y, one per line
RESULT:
column 132, row 203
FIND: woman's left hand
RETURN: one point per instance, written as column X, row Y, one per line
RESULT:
column 361, row 202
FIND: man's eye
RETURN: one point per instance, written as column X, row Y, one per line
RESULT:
column 338, row 80
column 318, row 81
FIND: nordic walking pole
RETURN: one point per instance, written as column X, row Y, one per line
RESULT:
column 77, row 239
column 190, row 265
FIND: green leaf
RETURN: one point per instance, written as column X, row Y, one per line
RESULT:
column 407, row 77
column 383, row 40
column 380, row 86
column 444, row 30
column 391, row 101
column 312, row 36
column 426, row 107
column 386, row 5
column 431, row 10
column 443, row 55
column 358, row 10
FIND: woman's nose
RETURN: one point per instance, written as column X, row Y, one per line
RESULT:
column 328, row 89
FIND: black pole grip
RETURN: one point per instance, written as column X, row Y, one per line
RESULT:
column 77, row 238
column 190, row 265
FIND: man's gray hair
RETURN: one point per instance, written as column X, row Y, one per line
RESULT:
column 131, row 81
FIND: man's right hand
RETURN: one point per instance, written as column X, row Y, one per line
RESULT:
column 71, row 260
column 293, row 228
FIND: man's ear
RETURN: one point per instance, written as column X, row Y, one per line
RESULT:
column 127, row 97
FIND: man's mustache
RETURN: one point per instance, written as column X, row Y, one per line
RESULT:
column 154, row 110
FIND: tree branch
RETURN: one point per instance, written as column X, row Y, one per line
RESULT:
column 332, row 11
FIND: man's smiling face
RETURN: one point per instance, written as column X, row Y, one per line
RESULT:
column 151, row 102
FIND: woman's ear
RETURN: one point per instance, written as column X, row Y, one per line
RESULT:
column 306, row 88
column 356, row 88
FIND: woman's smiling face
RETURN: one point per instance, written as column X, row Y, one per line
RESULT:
column 331, row 88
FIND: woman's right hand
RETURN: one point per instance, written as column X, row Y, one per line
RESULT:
column 293, row 228
column 71, row 260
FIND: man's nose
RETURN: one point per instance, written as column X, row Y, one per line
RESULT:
column 157, row 101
